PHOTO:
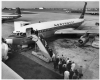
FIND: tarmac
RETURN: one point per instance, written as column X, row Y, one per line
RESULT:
column 86, row 56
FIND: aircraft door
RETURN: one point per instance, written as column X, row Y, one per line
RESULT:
column 29, row 32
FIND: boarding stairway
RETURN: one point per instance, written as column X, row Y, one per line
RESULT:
column 43, row 52
column 44, row 55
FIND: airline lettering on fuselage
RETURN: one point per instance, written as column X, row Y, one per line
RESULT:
column 63, row 24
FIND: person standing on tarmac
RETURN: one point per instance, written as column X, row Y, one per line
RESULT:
column 53, row 56
column 62, row 57
column 73, row 66
column 74, row 76
column 67, row 60
column 60, row 66
column 66, row 74
column 54, row 61
column 80, row 72
column 63, row 68
column 57, row 60
column 71, row 74
column 77, row 74
column 69, row 66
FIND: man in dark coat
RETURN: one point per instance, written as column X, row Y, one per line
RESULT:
column 50, row 52
column 57, row 60
column 71, row 74
column 60, row 66
column 63, row 68
column 69, row 66
column 54, row 62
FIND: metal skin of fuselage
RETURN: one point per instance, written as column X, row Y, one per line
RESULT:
column 47, row 29
column 51, row 31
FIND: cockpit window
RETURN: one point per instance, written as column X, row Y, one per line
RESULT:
column 26, row 24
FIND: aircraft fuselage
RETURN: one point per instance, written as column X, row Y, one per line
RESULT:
column 47, row 29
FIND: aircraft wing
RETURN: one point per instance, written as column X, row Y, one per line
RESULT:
column 67, row 31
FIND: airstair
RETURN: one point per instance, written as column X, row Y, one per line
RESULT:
column 42, row 53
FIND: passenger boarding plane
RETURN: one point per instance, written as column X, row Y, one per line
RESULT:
column 46, row 29
column 16, row 15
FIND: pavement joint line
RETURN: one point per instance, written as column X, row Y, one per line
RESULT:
column 90, row 63
column 39, row 61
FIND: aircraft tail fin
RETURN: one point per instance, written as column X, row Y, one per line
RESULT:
column 83, row 12
column 18, row 11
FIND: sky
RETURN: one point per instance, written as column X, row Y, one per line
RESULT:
column 49, row 4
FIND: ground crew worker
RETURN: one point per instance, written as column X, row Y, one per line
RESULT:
column 73, row 66
column 71, row 74
column 80, row 72
column 66, row 75
column 69, row 66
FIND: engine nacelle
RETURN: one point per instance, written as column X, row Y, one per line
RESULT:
column 83, row 40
